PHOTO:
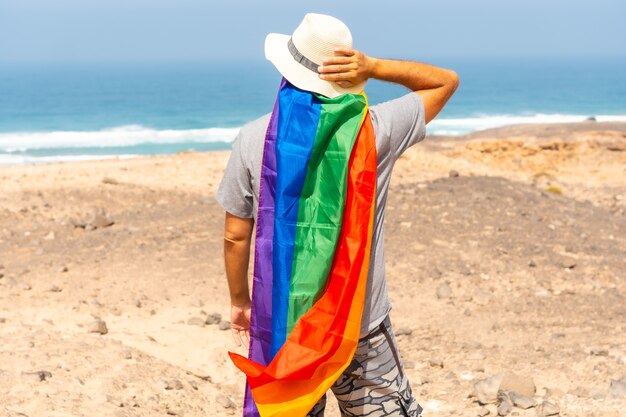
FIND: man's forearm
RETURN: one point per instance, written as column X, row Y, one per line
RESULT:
column 413, row 75
column 236, row 257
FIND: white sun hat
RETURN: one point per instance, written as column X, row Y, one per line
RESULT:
column 297, row 56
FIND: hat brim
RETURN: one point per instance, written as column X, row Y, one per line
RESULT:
column 277, row 52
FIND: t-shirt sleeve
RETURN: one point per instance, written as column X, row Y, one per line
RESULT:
column 235, row 193
column 401, row 122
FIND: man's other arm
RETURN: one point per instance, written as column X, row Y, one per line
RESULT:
column 435, row 85
column 237, row 239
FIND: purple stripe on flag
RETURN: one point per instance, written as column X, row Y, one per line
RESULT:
column 261, row 315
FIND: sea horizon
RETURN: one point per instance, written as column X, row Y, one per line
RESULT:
column 93, row 111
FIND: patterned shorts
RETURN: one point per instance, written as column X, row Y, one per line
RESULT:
column 374, row 384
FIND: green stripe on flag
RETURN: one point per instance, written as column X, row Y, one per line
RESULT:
column 322, row 201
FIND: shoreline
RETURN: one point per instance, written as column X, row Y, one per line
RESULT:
column 507, row 131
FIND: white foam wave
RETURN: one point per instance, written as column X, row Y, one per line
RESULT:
column 460, row 126
column 8, row 159
column 115, row 137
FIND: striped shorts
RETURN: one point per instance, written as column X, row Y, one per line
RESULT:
column 374, row 384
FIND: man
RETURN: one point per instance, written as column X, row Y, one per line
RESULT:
column 374, row 383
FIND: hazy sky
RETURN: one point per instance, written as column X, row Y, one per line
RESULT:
column 208, row 30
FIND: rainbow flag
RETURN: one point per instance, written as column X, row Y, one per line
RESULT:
column 313, row 239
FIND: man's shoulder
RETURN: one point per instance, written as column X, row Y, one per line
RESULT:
column 411, row 100
column 255, row 127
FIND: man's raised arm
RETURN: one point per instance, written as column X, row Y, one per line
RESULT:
column 350, row 67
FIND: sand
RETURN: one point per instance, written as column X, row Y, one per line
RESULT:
column 505, row 252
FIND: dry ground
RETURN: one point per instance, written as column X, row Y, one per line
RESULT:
column 505, row 251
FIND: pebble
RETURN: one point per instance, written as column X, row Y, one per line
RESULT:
column 493, row 409
column 63, row 269
column 197, row 303
column 196, row 321
column 481, row 297
column 553, row 392
column 171, row 384
column 77, row 222
column 476, row 355
column 547, row 408
column 97, row 326
column 127, row 354
column 597, row 393
column 518, row 384
column 100, row 219
column 49, row 236
column 24, row 286
column 435, row 362
column 478, row 368
column 409, row 365
column 444, row 291
column 109, row 180
column 453, row 173
column 94, row 302
column 199, row 373
column 138, row 303
column 486, row 390
column 54, row 288
column 599, row 352
column 403, row 331
column 214, row 318
column 419, row 379
column 224, row 325
column 505, row 406
column 115, row 400
column 224, row 401
column 482, row 412
column 521, row 401
column 2, row 320
column 39, row 375
column 617, row 389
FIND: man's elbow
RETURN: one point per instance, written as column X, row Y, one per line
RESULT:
column 236, row 237
column 453, row 82
column 237, row 230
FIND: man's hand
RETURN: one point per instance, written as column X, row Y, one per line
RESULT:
column 347, row 67
column 240, row 324
column 435, row 85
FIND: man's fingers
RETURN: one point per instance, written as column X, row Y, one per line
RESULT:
column 245, row 337
column 330, row 69
column 339, row 76
column 334, row 60
column 236, row 337
column 344, row 51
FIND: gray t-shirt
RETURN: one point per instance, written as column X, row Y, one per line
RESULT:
column 398, row 124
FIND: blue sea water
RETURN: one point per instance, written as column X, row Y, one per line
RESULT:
column 66, row 112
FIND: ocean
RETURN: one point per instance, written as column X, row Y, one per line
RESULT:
column 73, row 112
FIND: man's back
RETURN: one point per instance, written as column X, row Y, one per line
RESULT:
column 398, row 124
column 365, row 375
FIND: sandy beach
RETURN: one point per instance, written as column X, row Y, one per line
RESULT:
column 506, row 253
